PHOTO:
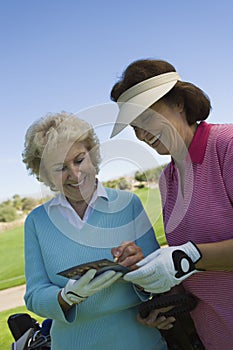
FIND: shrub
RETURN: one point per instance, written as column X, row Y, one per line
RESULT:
column 28, row 204
column 7, row 213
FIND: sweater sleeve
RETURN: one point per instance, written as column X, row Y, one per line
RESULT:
column 41, row 295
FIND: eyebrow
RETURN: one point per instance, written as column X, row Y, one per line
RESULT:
column 62, row 163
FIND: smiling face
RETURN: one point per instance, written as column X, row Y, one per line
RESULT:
column 72, row 172
column 164, row 128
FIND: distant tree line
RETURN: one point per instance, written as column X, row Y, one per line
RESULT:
column 17, row 207
column 138, row 180
column 150, row 175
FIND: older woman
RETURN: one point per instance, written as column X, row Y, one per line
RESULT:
column 81, row 224
column 196, row 188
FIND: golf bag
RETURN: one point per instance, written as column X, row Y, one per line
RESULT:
column 28, row 333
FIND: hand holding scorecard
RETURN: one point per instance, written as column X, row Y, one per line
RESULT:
column 99, row 265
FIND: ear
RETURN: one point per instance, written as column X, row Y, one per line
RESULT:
column 180, row 106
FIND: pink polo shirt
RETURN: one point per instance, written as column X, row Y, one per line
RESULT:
column 203, row 212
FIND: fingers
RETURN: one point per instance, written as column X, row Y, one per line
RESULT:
column 145, row 275
column 86, row 278
column 119, row 252
column 165, row 323
column 104, row 280
column 149, row 258
column 112, row 280
column 160, row 322
column 128, row 254
column 116, row 253
column 149, row 278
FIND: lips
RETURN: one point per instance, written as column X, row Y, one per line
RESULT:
column 77, row 184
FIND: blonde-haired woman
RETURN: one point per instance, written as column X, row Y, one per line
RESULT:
column 82, row 223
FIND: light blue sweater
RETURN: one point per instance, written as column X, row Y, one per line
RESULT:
column 106, row 320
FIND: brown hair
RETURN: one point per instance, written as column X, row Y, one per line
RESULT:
column 196, row 103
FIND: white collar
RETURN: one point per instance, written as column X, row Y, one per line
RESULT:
column 60, row 199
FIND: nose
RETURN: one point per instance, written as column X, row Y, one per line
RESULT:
column 74, row 171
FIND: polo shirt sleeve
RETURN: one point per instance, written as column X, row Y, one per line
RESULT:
column 227, row 169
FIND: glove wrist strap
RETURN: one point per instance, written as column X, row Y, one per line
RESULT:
column 195, row 253
column 64, row 297
column 72, row 298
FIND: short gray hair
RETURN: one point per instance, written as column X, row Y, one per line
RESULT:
column 45, row 133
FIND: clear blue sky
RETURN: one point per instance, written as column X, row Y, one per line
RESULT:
column 66, row 55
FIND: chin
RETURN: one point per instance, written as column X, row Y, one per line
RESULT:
column 162, row 152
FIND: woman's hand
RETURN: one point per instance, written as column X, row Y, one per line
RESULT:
column 127, row 254
column 76, row 291
column 165, row 268
column 160, row 322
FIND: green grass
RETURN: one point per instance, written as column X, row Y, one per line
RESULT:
column 11, row 258
column 6, row 338
column 152, row 203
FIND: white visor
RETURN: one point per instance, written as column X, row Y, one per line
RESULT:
column 141, row 96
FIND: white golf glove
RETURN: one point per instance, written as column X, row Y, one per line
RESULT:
column 165, row 268
column 76, row 291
